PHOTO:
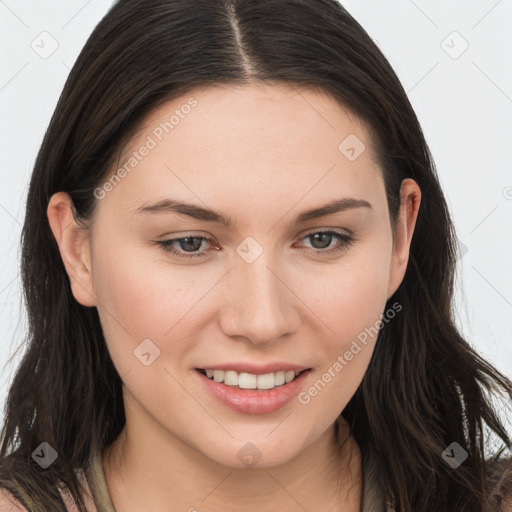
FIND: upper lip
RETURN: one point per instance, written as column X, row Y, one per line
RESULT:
column 256, row 369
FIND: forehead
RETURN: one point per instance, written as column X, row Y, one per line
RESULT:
column 280, row 141
column 283, row 112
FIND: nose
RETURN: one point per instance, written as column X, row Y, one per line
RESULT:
column 258, row 305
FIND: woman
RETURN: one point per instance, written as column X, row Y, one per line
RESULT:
column 238, row 265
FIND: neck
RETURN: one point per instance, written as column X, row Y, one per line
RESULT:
column 149, row 472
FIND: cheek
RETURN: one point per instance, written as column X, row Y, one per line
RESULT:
column 350, row 298
column 140, row 297
column 350, row 303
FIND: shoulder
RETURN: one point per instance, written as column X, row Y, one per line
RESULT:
column 506, row 505
column 8, row 503
column 499, row 483
column 68, row 500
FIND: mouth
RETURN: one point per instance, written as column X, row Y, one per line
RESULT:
column 247, row 393
column 242, row 380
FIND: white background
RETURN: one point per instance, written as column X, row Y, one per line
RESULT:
column 464, row 105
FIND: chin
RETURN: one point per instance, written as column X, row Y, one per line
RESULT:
column 256, row 452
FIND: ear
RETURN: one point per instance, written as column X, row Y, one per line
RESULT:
column 74, row 246
column 410, row 198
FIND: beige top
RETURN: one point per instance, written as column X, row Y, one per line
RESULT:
column 373, row 500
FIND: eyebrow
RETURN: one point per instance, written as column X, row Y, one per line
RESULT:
column 166, row 206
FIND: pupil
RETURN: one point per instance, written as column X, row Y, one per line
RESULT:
column 186, row 242
column 326, row 236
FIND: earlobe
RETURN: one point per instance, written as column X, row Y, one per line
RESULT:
column 410, row 199
column 74, row 247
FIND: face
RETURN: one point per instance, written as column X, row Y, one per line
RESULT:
column 270, row 285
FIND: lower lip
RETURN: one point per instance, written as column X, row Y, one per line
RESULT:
column 253, row 401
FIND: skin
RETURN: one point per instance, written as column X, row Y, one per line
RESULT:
column 261, row 155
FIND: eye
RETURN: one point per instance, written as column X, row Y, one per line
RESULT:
column 321, row 241
column 188, row 247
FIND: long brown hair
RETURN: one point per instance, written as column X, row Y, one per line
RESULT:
column 425, row 387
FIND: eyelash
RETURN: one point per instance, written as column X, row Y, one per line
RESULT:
column 345, row 242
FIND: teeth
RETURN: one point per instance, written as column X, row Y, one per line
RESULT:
column 247, row 381
column 266, row 381
column 231, row 378
column 218, row 375
column 279, row 378
column 250, row 381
